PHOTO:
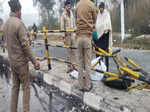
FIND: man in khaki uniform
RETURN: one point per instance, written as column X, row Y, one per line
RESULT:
column 67, row 23
column 1, row 32
column 1, row 35
column 86, row 17
column 20, row 54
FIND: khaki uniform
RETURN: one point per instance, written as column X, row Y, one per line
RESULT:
column 20, row 54
column 86, row 17
column 68, row 22
column 1, row 36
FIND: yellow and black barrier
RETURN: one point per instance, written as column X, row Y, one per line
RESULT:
column 130, row 72
column 50, row 31
column 126, row 69
column 138, row 68
column 132, row 63
column 135, row 75
column 121, row 61
column 72, row 63
column 104, row 52
column 54, row 45
column 58, row 31
column 54, row 31
column 112, row 76
column 140, row 87
column 46, row 48
column 2, row 41
column 55, row 59
column 3, row 44
column 31, row 37
column 69, row 47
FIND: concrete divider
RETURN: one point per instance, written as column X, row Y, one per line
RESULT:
column 94, row 101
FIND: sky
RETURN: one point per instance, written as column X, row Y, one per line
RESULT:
column 29, row 13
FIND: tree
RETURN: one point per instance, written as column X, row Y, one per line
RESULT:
column 137, row 16
column 46, row 11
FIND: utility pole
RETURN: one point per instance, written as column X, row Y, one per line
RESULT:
column 96, row 2
column 1, row 5
column 122, row 21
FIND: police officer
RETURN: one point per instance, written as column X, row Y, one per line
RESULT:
column 20, row 54
column 67, row 23
column 34, row 28
column 86, row 17
column 1, row 32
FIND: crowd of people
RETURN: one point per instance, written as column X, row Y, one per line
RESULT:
column 91, row 27
column 87, row 23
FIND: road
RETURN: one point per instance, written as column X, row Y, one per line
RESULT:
column 141, row 57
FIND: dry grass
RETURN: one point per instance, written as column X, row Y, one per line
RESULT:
column 132, row 43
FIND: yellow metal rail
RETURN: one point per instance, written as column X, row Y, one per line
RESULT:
column 46, row 48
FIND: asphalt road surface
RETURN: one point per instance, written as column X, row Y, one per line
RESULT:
column 141, row 57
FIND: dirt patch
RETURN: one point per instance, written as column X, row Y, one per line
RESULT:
column 132, row 43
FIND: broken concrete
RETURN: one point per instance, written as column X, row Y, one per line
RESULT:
column 101, row 98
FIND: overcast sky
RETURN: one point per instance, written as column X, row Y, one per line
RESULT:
column 29, row 13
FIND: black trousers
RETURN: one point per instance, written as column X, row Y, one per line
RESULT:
column 103, row 43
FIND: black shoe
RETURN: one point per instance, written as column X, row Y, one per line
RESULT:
column 74, row 68
column 70, row 70
column 88, row 90
column 82, row 89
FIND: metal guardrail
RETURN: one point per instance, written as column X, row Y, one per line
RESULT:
column 46, row 44
column 54, row 45
column 46, row 48
column 58, row 31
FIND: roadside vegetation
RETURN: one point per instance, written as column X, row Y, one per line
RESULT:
column 132, row 43
column 137, row 24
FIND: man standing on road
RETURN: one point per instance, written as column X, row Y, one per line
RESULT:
column 20, row 54
column 67, row 23
column 1, row 32
column 86, row 18
column 34, row 28
column 104, row 31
